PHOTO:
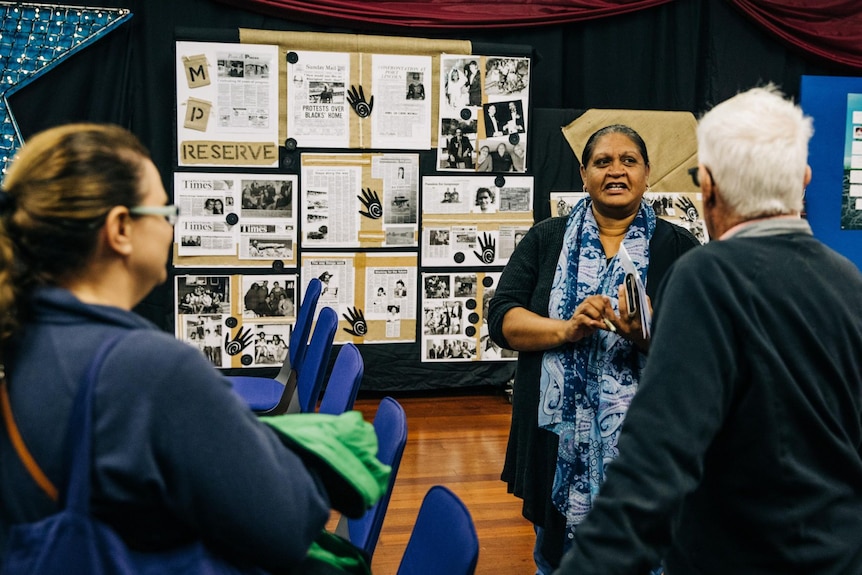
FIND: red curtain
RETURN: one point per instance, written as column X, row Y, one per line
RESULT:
column 446, row 14
column 831, row 29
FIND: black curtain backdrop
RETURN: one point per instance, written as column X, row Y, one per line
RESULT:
column 678, row 55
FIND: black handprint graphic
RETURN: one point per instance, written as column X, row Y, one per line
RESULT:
column 356, row 99
column 358, row 327
column 689, row 211
column 241, row 340
column 488, row 245
column 371, row 201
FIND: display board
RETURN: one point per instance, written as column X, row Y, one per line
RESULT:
column 835, row 155
column 329, row 156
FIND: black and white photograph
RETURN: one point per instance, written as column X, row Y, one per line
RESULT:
column 442, row 317
column 326, row 92
column 516, row 198
column 485, row 200
column 206, row 333
column 403, row 206
column 449, row 349
column 439, row 237
column 415, row 86
column 503, row 118
column 460, row 84
column 191, row 241
column 270, row 344
column 465, row 285
column 400, row 236
column 230, row 66
column 262, row 247
column 267, row 198
column 506, row 76
column 269, row 296
column 203, row 295
column 457, row 144
column 437, row 287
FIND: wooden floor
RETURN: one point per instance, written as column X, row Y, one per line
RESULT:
column 457, row 440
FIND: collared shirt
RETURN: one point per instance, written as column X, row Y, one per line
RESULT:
column 769, row 226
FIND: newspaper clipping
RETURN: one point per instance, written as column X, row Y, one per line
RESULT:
column 227, row 104
column 329, row 201
column 360, row 200
column 454, row 311
column 400, row 175
column 251, row 217
column 401, row 117
column 470, row 221
column 317, row 108
column 336, row 275
column 252, row 331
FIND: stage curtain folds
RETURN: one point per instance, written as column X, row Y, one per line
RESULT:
column 831, row 29
column 445, row 14
column 828, row 29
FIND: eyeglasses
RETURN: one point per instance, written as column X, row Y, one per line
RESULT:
column 693, row 172
column 169, row 212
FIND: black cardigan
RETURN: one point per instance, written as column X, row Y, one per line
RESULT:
column 531, row 454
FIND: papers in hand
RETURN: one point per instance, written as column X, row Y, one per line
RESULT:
column 629, row 268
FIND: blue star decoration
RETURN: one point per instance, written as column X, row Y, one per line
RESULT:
column 33, row 39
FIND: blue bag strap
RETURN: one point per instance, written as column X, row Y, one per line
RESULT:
column 79, row 435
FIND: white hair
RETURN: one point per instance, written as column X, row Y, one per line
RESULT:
column 756, row 146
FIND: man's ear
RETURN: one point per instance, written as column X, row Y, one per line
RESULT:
column 709, row 198
column 118, row 230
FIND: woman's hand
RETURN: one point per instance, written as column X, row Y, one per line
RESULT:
column 528, row 331
column 525, row 330
column 589, row 316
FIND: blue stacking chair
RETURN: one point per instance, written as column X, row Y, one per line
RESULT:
column 390, row 425
column 309, row 382
column 344, row 380
column 443, row 540
column 268, row 396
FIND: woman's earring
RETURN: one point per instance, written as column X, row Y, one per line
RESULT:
column 648, row 189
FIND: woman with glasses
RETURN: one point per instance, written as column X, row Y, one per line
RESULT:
column 85, row 233
column 559, row 304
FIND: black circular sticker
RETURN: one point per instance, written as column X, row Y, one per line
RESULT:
column 470, row 331
column 231, row 322
column 499, row 181
column 246, row 359
column 458, row 257
column 290, row 144
column 514, row 139
column 487, row 281
column 466, row 114
column 473, row 317
column 278, row 265
column 470, row 304
column 231, row 219
column 292, row 57
column 287, row 161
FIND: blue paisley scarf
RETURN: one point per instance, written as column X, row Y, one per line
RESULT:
column 586, row 387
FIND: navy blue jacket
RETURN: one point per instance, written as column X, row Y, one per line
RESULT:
column 178, row 456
